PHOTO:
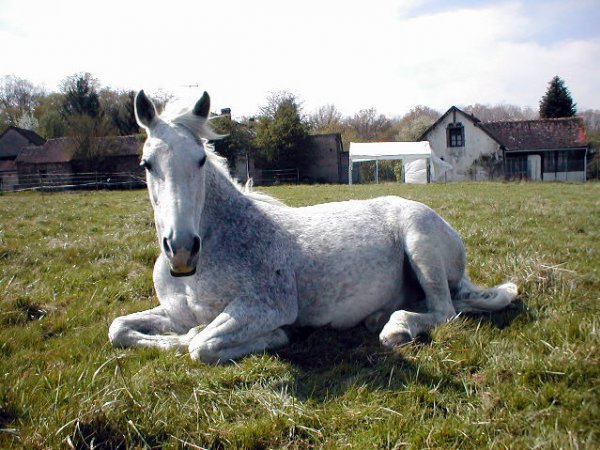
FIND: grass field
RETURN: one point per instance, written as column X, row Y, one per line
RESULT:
column 528, row 377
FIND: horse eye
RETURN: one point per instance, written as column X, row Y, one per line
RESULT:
column 146, row 165
column 202, row 161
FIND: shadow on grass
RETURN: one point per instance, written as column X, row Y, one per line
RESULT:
column 98, row 432
column 503, row 319
column 329, row 362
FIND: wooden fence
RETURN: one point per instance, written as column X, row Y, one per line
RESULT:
column 9, row 181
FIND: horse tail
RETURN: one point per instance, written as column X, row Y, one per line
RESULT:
column 469, row 297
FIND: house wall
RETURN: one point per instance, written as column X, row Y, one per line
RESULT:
column 111, row 164
column 8, row 181
column 556, row 165
column 476, row 141
column 36, row 174
column 329, row 162
column 564, row 176
column 240, row 169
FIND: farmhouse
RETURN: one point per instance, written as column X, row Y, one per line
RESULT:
column 12, row 141
column 548, row 150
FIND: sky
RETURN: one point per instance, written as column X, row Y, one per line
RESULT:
column 391, row 55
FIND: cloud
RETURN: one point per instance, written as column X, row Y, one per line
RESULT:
column 391, row 55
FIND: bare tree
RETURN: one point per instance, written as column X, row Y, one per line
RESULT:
column 500, row 113
column 591, row 118
column 370, row 126
column 51, row 121
column 326, row 119
column 414, row 123
column 274, row 102
column 18, row 98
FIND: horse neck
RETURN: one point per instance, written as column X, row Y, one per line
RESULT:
column 222, row 196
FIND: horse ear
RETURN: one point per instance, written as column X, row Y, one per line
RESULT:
column 202, row 106
column 145, row 112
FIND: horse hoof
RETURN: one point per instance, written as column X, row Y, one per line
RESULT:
column 396, row 340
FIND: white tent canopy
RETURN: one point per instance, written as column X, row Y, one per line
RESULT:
column 408, row 152
column 375, row 151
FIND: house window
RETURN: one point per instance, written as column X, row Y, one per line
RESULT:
column 550, row 162
column 456, row 135
column 565, row 161
column 516, row 167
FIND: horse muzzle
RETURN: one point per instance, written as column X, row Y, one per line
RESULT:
column 182, row 255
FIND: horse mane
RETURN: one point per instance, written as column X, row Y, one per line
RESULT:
column 185, row 117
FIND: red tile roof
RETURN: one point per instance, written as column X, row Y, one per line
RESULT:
column 546, row 134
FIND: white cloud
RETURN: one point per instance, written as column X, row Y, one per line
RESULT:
column 391, row 55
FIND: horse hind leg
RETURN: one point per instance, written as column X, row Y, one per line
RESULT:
column 404, row 326
column 472, row 298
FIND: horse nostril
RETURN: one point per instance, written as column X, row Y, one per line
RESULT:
column 167, row 247
column 196, row 245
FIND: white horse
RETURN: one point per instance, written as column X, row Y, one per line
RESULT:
column 236, row 267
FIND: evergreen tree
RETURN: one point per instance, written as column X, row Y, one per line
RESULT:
column 557, row 101
column 81, row 95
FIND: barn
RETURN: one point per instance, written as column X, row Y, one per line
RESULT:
column 57, row 163
column 49, row 164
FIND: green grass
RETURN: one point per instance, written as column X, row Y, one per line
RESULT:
column 528, row 377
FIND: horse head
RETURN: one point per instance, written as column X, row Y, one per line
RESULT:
column 174, row 157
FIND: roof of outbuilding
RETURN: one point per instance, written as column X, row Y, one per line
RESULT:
column 58, row 150
column 545, row 134
column 62, row 150
column 30, row 135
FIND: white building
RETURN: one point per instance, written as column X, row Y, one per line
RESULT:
column 548, row 149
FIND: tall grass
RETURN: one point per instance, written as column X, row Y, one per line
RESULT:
column 528, row 377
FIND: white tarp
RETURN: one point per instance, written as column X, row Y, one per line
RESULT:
column 415, row 171
column 414, row 156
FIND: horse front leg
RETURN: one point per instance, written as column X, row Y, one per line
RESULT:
column 151, row 328
column 248, row 324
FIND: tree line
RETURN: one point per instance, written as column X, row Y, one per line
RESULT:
column 84, row 110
